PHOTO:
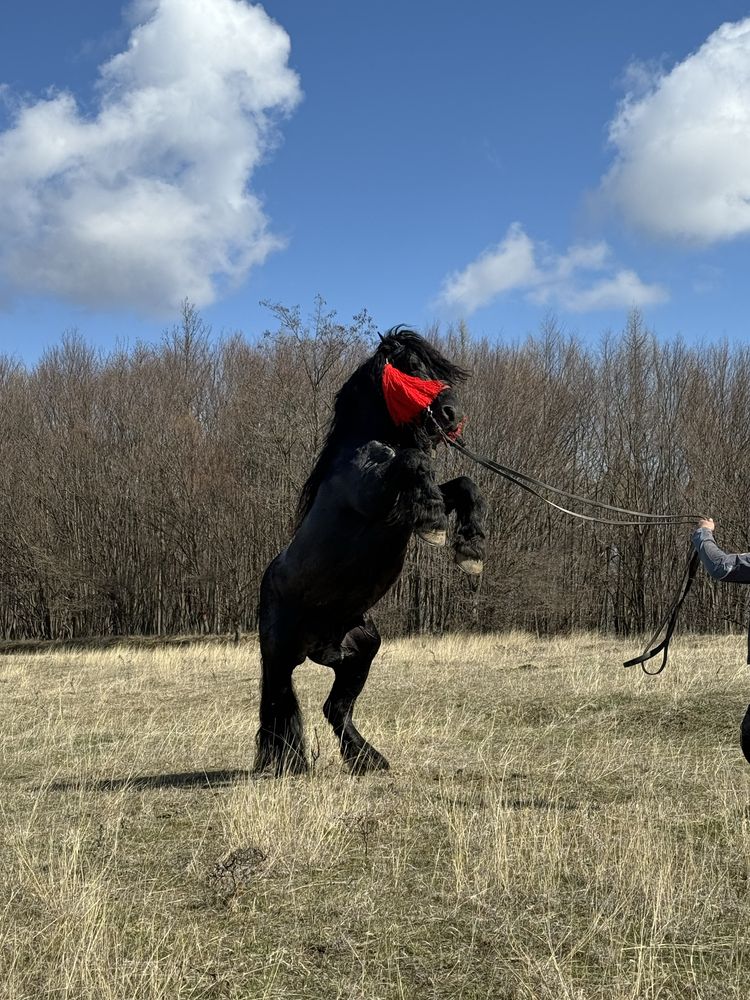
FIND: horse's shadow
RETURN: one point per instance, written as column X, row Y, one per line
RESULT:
column 180, row 779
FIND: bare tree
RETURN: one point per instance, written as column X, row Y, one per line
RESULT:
column 145, row 490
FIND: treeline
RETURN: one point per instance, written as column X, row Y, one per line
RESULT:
column 144, row 491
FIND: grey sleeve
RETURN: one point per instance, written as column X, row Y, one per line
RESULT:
column 727, row 566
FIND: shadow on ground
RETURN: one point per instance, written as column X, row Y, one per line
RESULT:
column 179, row 779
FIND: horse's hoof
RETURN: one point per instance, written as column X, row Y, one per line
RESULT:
column 433, row 537
column 292, row 764
column 266, row 774
column 471, row 566
column 745, row 735
column 368, row 760
column 280, row 767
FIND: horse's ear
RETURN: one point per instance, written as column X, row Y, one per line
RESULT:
column 382, row 338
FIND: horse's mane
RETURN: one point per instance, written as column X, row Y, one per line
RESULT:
column 359, row 410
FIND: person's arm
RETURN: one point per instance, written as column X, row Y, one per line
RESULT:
column 728, row 567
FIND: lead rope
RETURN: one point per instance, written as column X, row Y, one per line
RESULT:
column 669, row 621
column 532, row 486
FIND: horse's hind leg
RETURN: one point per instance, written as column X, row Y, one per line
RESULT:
column 351, row 665
column 280, row 746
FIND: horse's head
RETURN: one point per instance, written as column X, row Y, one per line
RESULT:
column 419, row 384
column 397, row 395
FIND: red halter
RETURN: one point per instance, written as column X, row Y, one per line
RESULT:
column 407, row 396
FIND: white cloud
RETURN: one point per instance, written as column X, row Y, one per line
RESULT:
column 508, row 265
column 147, row 202
column 682, row 141
column 623, row 289
column 583, row 279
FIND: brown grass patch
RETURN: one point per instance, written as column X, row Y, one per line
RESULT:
column 553, row 827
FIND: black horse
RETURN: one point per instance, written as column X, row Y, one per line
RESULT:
column 372, row 487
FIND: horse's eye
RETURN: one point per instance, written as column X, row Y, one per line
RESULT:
column 414, row 365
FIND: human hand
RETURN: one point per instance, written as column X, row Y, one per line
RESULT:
column 706, row 522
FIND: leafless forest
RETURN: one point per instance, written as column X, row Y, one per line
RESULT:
column 143, row 491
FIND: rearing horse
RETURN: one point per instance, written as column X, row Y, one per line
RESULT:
column 372, row 487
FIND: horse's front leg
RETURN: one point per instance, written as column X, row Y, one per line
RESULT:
column 420, row 500
column 399, row 486
column 462, row 496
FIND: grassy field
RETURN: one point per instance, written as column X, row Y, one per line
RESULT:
column 553, row 826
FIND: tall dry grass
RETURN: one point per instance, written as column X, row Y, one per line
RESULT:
column 553, row 826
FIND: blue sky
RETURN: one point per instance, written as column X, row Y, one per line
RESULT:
column 424, row 160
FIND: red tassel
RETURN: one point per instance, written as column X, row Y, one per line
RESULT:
column 407, row 396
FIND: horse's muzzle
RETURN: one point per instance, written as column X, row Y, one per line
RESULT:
column 447, row 415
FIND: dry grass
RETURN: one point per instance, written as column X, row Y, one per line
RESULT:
column 553, row 827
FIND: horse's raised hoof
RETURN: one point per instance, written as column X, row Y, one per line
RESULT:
column 473, row 567
column 433, row 537
column 368, row 759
